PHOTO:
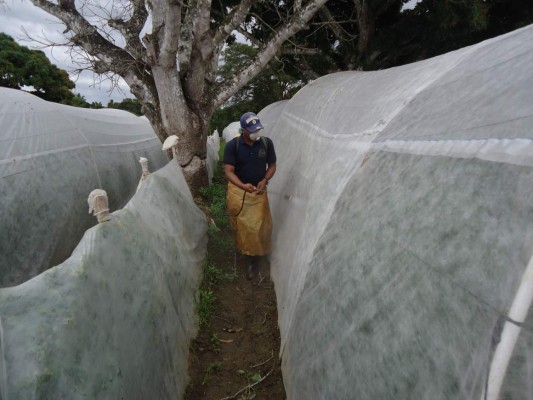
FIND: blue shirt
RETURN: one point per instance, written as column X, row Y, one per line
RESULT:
column 251, row 162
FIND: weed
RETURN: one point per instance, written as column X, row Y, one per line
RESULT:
column 212, row 231
column 206, row 307
column 214, row 275
column 221, row 149
column 215, row 341
column 213, row 192
column 212, row 368
column 249, row 392
column 215, row 195
column 231, row 277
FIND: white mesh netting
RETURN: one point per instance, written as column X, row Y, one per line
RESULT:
column 213, row 145
column 231, row 131
column 403, row 236
column 115, row 319
column 51, row 157
column 403, row 227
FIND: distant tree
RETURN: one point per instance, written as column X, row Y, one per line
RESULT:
column 277, row 82
column 131, row 105
column 22, row 67
column 172, row 70
column 77, row 100
column 96, row 105
column 436, row 27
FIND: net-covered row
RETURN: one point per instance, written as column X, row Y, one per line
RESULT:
column 230, row 131
column 403, row 228
column 51, row 157
column 115, row 319
column 213, row 146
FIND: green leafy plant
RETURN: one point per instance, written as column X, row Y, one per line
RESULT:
column 214, row 274
column 206, row 307
column 214, row 367
column 215, row 195
column 215, row 341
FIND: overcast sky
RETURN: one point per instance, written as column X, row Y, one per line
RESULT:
column 18, row 14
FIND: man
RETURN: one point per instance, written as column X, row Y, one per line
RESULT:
column 249, row 164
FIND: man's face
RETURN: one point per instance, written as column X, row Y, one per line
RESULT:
column 256, row 135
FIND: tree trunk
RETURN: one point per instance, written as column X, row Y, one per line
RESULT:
column 181, row 33
column 365, row 20
column 178, row 118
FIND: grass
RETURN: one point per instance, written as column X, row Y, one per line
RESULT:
column 206, row 307
column 216, row 198
column 214, row 275
column 215, row 341
column 214, row 202
column 214, row 367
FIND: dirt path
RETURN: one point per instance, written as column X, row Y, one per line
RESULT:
column 239, row 345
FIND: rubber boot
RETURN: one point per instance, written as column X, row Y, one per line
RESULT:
column 253, row 267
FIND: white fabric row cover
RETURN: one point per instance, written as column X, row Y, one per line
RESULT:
column 213, row 146
column 114, row 321
column 403, row 229
column 231, row 131
column 51, row 157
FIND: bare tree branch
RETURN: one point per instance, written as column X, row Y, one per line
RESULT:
column 186, row 36
column 295, row 51
column 307, row 70
column 166, row 19
column 249, row 36
column 201, row 27
column 297, row 23
column 132, row 28
column 235, row 18
column 87, row 36
column 337, row 29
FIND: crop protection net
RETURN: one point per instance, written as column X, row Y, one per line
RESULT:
column 402, row 208
column 403, row 228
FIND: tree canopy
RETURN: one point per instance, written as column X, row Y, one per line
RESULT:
column 20, row 67
column 131, row 105
column 279, row 81
column 173, row 68
column 175, row 72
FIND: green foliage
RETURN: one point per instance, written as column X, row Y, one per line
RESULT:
column 222, row 243
column 131, row 105
column 215, row 341
column 216, row 196
column 221, row 151
column 206, row 307
column 79, row 101
column 20, row 66
column 435, row 27
column 214, row 275
column 214, row 367
column 277, row 82
column 251, row 378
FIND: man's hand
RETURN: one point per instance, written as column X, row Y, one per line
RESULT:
column 249, row 187
column 261, row 186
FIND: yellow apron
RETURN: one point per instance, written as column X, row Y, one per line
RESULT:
column 249, row 216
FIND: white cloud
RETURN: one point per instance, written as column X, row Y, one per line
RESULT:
column 17, row 16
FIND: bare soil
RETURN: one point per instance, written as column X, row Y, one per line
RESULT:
column 240, row 347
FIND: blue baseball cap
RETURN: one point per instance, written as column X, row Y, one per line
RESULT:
column 250, row 122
